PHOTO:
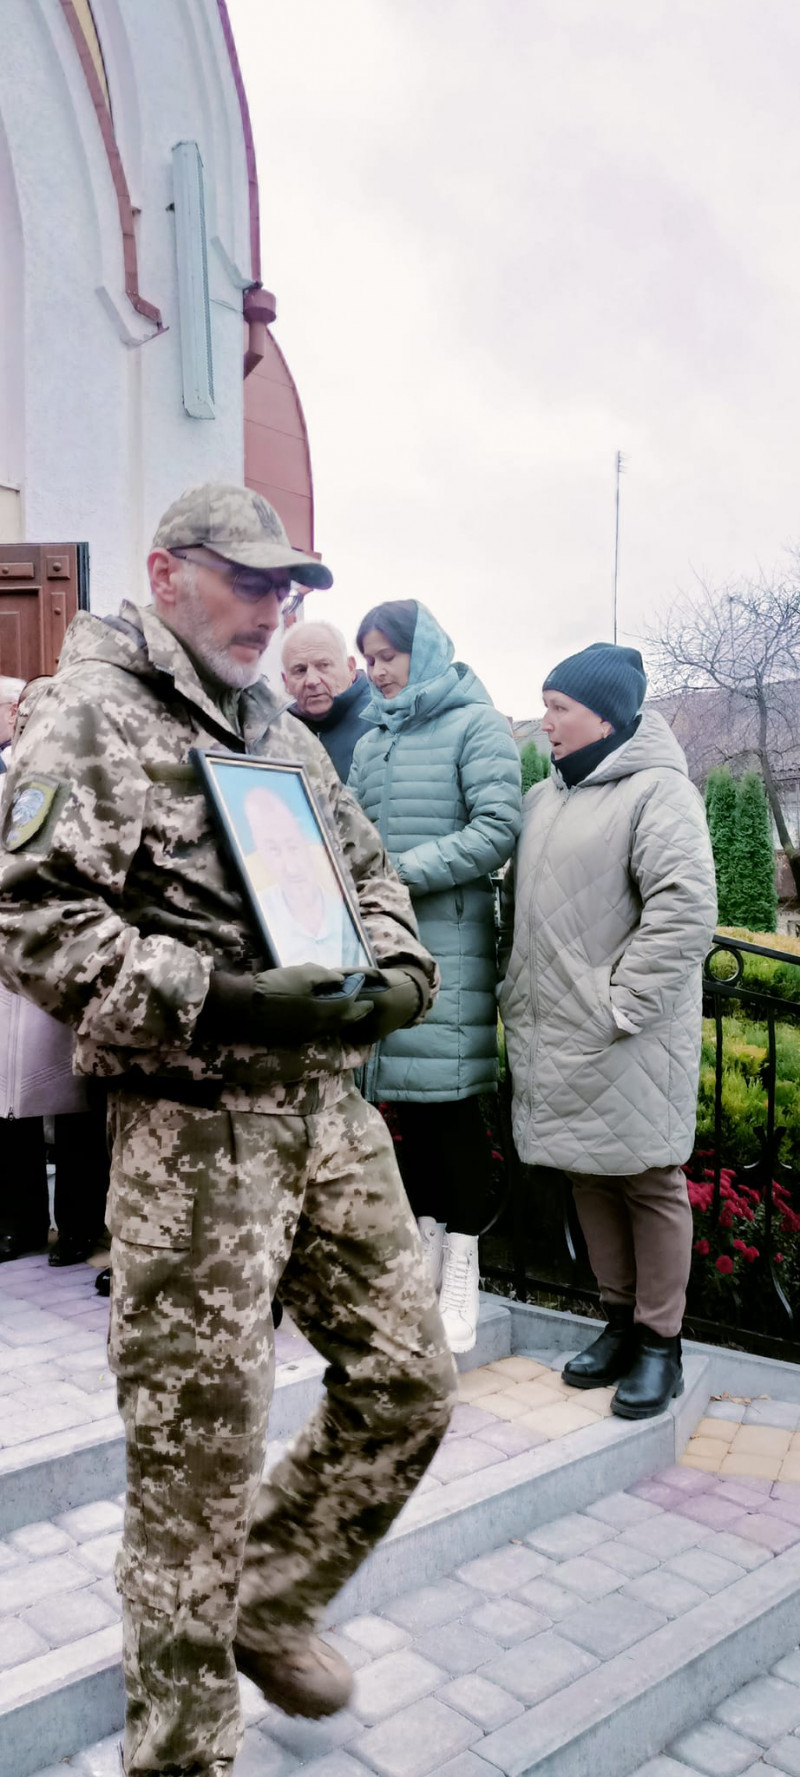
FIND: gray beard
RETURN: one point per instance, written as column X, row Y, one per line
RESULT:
column 193, row 626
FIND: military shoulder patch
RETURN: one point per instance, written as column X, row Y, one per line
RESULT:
column 28, row 811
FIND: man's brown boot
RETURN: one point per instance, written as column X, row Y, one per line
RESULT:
column 303, row 1676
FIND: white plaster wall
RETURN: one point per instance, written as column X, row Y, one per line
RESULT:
column 107, row 443
column 12, row 387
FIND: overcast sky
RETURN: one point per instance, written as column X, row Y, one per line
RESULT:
column 508, row 238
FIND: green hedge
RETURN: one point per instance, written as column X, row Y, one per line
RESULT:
column 744, row 1048
column 763, row 973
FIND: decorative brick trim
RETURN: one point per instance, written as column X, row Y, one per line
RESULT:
column 148, row 309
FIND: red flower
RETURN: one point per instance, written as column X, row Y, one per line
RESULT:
column 725, row 1264
column 779, row 1258
column 751, row 1254
column 726, row 1217
column 702, row 1247
column 740, row 1246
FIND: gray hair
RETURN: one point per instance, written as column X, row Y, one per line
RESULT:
column 330, row 629
column 11, row 690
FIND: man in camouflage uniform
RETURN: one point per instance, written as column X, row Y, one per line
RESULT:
column 242, row 1153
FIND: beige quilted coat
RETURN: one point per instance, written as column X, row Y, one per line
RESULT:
column 615, row 906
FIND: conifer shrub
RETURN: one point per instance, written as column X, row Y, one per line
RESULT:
column 753, row 901
column 721, row 817
column 535, row 766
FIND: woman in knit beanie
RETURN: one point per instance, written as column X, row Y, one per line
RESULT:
column 614, row 906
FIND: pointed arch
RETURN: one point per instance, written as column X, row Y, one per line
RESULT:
column 277, row 460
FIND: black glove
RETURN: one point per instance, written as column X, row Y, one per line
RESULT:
column 278, row 1009
column 399, row 999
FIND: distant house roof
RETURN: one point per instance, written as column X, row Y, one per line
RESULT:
column 528, row 730
column 717, row 727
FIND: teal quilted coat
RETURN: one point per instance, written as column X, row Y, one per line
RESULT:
column 438, row 774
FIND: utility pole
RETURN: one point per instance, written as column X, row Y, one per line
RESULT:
column 620, row 465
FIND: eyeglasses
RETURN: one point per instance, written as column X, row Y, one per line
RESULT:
column 249, row 584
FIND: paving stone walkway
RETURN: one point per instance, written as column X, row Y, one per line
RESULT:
column 451, row 1676
column 454, row 1679
column 56, row 1584
column 53, row 1371
column 748, row 1437
column 754, row 1733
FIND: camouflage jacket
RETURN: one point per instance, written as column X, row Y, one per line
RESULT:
column 115, row 901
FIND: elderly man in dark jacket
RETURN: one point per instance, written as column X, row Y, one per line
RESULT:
column 330, row 693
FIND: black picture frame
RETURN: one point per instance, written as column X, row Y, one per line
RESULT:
column 301, row 914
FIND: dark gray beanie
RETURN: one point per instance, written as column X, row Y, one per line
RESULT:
column 609, row 680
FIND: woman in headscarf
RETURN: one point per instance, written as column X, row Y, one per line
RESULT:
column 438, row 773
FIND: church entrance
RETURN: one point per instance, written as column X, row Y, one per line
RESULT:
column 42, row 585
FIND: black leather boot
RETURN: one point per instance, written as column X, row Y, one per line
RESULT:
column 609, row 1356
column 654, row 1379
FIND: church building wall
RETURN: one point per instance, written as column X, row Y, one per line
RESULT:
column 95, row 439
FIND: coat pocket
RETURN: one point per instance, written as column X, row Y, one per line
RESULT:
column 151, row 1197
column 601, row 982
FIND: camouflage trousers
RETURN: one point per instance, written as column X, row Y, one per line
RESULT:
column 210, row 1210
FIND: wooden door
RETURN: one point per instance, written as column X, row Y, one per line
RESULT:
column 42, row 585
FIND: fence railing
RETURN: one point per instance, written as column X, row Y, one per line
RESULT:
column 535, row 1245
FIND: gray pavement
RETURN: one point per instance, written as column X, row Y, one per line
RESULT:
column 464, row 1675
column 53, row 1371
column 450, row 1676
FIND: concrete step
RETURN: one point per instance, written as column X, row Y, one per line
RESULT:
column 578, row 1650
column 756, row 1726
column 475, row 1512
column 505, row 1550
column 61, row 1439
column 522, row 1450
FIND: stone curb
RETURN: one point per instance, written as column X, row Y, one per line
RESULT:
column 71, row 1697
column 52, row 1474
column 44, row 1704
column 733, row 1372
column 610, row 1721
column 482, row 1511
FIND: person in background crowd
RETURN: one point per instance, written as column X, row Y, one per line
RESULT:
column 438, row 772
column 330, row 694
column 242, row 1152
column 24, row 1204
column 82, row 1161
column 24, row 1199
column 80, row 1151
column 10, row 693
column 615, row 904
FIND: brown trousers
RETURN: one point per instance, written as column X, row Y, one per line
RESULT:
column 638, row 1228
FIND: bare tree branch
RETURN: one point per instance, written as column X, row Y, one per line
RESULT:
column 728, row 659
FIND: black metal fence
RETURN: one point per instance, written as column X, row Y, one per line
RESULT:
column 746, row 1294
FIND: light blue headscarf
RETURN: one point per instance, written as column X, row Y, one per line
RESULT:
column 430, row 674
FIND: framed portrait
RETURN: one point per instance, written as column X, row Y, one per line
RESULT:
column 291, row 875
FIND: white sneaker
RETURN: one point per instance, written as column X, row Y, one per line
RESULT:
column 458, row 1297
column 433, row 1241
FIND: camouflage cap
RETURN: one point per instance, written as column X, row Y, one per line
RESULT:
column 239, row 525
